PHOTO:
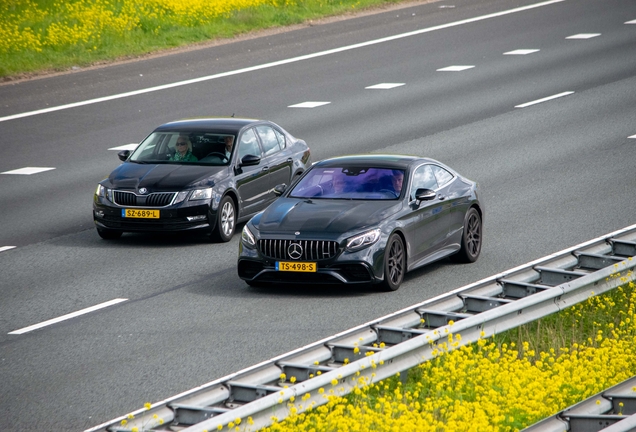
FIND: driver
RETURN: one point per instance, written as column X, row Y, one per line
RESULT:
column 229, row 143
column 183, row 150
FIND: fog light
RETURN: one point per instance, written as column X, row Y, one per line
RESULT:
column 196, row 218
column 99, row 213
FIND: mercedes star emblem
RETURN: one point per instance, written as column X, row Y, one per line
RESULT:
column 295, row 251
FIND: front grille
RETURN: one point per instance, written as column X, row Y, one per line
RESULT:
column 312, row 250
column 158, row 199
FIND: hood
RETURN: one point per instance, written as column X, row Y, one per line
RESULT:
column 288, row 215
column 164, row 177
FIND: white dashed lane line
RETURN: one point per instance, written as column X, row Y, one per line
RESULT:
column 521, row 52
column 68, row 316
column 308, row 105
column 584, row 36
column 130, row 147
column 538, row 101
column 457, row 68
column 280, row 62
column 384, row 86
column 28, row 170
column 631, row 22
column 6, row 248
column 633, row 136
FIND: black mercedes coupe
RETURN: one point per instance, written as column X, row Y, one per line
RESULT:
column 203, row 174
column 363, row 219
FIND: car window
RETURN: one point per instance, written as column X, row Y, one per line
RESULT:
column 268, row 139
column 356, row 183
column 248, row 145
column 442, row 176
column 423, row 178
column 281, row 139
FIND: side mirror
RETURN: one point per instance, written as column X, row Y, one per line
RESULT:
column 249, row 160
column 425, row 194
column 280, row 189
column 123, row 155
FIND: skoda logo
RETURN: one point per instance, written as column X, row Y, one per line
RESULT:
column 295, row 251
column 143, row 191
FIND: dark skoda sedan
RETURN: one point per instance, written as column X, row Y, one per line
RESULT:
column 198, row 174
column 365, row 219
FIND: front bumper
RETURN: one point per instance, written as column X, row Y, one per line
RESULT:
column 176, row 218
column 360, row 268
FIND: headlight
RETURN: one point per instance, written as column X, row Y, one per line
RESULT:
column 363, row 240
column 181, row 196
column 103, row 192
column 201, row 194
column 248, row 237
column 100, row 191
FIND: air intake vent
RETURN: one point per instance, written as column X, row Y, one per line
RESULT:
column 159, row 199
column 306, row 250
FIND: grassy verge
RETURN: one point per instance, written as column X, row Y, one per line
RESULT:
column 48, row 35
column 503, row 383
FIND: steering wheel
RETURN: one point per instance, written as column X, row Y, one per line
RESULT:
column 392, row 192
column 220, row 155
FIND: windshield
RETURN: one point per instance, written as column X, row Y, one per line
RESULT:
column 203, row 148
column 357, row 183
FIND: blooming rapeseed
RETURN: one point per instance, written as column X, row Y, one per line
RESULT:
column 496, row 384
column 30, row 25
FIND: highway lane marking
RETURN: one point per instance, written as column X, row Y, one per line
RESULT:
column 385, row 86
column 457, row 68
column 308, row 105
column 277, row 63
column 633, row 136
column 130, row 147
column 584, row 36
column 521, row 52
column 631, row 22
column 68, row 316
column 538, row 101
column 6, row 248
column 28, row 170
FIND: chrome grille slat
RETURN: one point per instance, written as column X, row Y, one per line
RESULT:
column 157, row 199
column 313, row 250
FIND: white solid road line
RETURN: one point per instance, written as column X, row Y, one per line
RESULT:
column 6, row 248
column 67, row 316
column 277, row 63
column 538, row 101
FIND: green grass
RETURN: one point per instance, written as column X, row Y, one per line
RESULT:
column 149, row 35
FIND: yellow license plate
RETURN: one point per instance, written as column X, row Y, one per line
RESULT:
column 295, row 266
column 140, row 214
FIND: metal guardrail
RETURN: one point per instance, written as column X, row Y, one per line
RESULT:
column 612, row 410
column 397, row 342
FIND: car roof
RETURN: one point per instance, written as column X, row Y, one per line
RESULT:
column 224, row 124
column 380, row 160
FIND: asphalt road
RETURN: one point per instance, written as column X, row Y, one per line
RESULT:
column 554, row 174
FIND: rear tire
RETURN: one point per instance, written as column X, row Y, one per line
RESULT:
column 109, row 234
column 471, row 238
column 225, row 220
column 394, row 264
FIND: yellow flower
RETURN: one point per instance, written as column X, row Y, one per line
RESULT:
column 147, row 405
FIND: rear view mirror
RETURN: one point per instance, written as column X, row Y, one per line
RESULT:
column 123, row 155
column 249, row 160
column 280, row 189
column 425, row 194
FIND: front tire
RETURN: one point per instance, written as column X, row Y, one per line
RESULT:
column 225, row 220
column 471, row 238
column 394, row 264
